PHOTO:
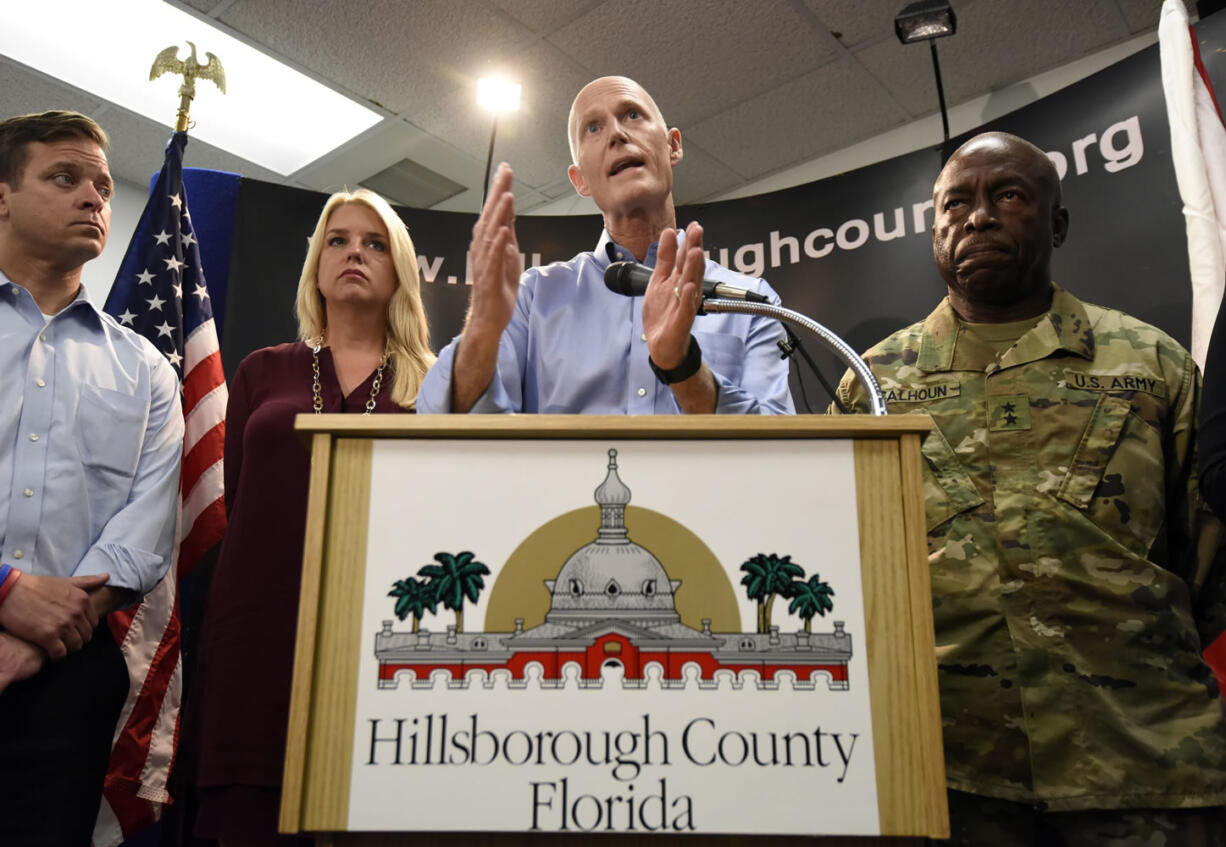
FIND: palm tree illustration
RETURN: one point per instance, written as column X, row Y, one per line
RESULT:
column 767, row 576
column 454, row 578
column 413, row 597
column 811, row 598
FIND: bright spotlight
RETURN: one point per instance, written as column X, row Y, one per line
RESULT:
column 498, row 95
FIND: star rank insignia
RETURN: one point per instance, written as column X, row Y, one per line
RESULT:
column 1008, row 412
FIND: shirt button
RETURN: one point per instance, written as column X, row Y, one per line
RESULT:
column 643, row 337
column 17, row 554
column 40, row 382
column 642, row 392
column 29, row 492
column 42, row 336
column 33, row 436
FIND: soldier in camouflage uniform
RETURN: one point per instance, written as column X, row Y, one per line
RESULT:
column 1071, row 563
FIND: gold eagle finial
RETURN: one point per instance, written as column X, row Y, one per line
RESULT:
column 190, row 69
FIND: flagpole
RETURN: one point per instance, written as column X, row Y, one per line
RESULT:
column 160, row 293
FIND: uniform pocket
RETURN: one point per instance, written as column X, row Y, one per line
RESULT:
column 1117, row 476
column 948, row 488
column 1093, row 452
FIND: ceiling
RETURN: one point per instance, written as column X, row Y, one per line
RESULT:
column 756, row 86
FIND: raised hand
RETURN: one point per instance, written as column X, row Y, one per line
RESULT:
column 495, row 260
column 673, row 296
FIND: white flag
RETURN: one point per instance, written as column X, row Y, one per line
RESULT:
column 1198, row 151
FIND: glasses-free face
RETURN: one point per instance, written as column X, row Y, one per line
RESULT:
column 625, row 152
column 355, row 263
column 60, row 210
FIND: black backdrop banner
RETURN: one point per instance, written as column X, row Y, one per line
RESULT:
column 853, row 251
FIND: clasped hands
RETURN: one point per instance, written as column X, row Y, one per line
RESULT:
column 45, row 617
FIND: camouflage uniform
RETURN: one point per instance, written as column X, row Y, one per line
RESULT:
column 977, row 821
column 1071, row 571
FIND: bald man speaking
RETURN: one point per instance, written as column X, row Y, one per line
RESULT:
column 556, row 340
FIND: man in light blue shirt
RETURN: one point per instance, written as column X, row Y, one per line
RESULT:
column 91, row 440
column 556, row 340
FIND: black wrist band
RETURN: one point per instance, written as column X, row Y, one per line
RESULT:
column 683, row 371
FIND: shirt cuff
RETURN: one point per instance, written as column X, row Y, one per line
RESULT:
column 435, row 395
column 128, row 567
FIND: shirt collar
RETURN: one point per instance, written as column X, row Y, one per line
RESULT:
column 80, row 305
column 609, row 251
column 1065, row 326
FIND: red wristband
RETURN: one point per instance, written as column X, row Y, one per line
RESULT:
column 13, row 576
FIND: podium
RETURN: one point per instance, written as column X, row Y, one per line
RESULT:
column 647, row 628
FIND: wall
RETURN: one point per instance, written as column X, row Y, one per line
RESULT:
column 126, row 207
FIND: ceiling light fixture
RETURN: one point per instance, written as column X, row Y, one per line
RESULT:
column 497, row 95
column 928, row 20
column 272, row 115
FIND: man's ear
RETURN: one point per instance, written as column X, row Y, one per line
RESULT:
column 5, row 190
column 577, row 180
column 674, row 146
column 1059, row 226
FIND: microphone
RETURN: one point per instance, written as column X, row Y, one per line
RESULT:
column 630, row 279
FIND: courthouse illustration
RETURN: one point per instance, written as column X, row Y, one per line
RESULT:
column 612, row 603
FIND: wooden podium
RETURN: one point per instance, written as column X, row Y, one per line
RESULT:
column 897, row 639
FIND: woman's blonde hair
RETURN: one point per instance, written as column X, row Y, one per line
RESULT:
column 408, row 335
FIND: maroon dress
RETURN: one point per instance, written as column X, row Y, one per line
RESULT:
column 239, row 705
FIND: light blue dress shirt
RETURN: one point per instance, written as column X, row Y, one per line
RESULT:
column 574, row 347
column 91, row 442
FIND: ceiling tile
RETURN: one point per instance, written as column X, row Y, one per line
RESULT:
column 403, row 56
column 545, row 15
column 994, row 47
column 755, row 86
column 532, row 140
column 864, row 20
column 138, row 146
column 560, row 188
column 824, row 110
column 25, row 90
column 700, row 175
column 137, row 143
column 696, row 59
column 1143, row 14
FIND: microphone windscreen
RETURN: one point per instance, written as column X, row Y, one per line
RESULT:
column 617, row 278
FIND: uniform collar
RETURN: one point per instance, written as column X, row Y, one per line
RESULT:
column 1065, row 327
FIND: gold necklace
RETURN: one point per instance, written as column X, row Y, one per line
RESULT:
column 317, row 400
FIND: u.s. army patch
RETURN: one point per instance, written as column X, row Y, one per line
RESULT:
column 1009, row 411
column 1115, row 382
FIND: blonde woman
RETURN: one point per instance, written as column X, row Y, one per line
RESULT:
column 363, row 348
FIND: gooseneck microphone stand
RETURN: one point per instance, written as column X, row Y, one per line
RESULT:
column 838, row 346
column 789, row 347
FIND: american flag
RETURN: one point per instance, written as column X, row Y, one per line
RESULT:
column 1198, row 153
column 160, row 293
